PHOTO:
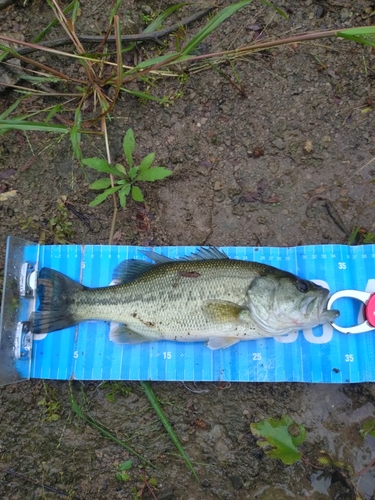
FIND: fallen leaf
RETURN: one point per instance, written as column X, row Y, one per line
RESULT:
column 316, row 191
column 116, row 237
column 8, row 194
column 7, row 173
column 279, row 438
column 254, row 27
column 308, row 147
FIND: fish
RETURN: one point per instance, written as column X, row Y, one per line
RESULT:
column 204, row 297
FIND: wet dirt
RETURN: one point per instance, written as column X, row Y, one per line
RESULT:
column 250, row 168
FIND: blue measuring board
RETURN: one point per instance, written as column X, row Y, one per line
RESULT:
column 321, row 354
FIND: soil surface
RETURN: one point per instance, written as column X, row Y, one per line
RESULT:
column 255, row 163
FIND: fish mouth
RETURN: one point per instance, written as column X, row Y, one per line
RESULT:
column 318, row 304
column 327, row 315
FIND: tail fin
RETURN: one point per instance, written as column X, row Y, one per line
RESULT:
column 55, row 293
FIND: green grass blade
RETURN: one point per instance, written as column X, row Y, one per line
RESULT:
column 155, row 404
column 53, row 111
column 5, row 50
column 42, row 79
column 278, row 10
column 364, row 30
column 364, row 35
column 75, row 11
column 213, row 24
column 114, row 10
column 75, row 136
column 156, row 23
column 33, row 126
column 143, row 95
column 353, row 236
column 11, row 108
column 153, row 61
column 120, row 70
column 53, row 23
column 89, row 420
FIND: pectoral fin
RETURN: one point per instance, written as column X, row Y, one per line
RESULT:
column 121, row 334
column 220, row 311
column 221, row 342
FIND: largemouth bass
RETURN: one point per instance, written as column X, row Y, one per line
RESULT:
column 205, row 297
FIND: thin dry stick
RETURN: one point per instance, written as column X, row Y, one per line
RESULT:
column 69, row 28
column 359, row 170
column 140, row 37
column 114, row 216
column 148, row 486
column 368, row 466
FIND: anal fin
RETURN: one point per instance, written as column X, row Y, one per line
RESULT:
column 221, row 342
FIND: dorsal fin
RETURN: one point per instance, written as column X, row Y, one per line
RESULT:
column 130, row 270
column 206, row 254
column 201, row 254
column 156, row 257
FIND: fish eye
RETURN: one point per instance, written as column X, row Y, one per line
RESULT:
column 302, row 286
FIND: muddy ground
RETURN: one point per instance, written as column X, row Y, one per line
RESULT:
column 249, row 168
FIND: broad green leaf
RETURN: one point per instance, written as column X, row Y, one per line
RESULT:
column 146, row 162
column 123, row 193
column 101, row 183
column 282, row 435
column 129, row 146
column 368, row 427
column 154, row 174
column 213, row 24
column 120, row 168
column 101, row 197
column 122, row 197
column 137, row 194
column 133, row 172
column 126, row 465
column 122, row 476
column 100, row 165
column 126, row 189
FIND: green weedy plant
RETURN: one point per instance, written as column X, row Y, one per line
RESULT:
column 121, row 470
column 128, row 179
column 116, row 389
